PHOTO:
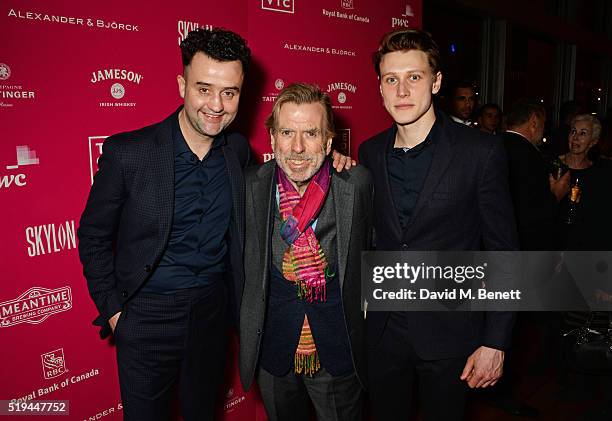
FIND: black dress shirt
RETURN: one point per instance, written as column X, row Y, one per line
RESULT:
column 407, row 171
column 196, row 251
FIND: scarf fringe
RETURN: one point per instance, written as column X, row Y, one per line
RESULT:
column 307, row 364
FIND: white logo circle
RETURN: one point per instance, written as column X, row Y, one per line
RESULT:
column 5, row 71
column 229, row 393
column 279, row 84
column 117, row 90
column 341, row 97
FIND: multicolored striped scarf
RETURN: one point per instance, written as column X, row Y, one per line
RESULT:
column 304, row 262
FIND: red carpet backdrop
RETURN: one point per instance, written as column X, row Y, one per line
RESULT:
column 74, row 72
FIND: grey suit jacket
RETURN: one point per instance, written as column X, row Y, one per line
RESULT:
column 352, row 193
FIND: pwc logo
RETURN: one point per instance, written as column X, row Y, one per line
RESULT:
column 283, row 6
column 25, row 156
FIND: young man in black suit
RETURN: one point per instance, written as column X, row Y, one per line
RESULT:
column 438, row 185
column 161, row 237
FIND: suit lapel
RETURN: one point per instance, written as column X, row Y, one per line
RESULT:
column 162, row 157
column 238, row 190
column 442, row 157
column 387, row 145
column 343, row 194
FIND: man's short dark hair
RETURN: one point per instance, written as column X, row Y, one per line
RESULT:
column 522, row 110
column 218, row 44
column 490, row 105
column 405, row 40
column 453, row 85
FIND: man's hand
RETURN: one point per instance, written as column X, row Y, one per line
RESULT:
column 113, row 321
column 342, row 162
column 561, row 186
column 483, row 368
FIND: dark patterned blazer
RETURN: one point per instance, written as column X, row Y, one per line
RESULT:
column 464, row 204
column 351, row 192
column 126, row 223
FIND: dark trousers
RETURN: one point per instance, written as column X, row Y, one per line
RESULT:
column 170, row 343
column 394, row 368
column 334, row 398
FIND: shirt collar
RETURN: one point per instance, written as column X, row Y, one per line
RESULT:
column 432, row 136
column 461, row 121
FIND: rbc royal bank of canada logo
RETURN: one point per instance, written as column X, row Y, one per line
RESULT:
column 53, row 363
column 35, row 306
column 347, row 4
column 5, row 71
column 283, row 6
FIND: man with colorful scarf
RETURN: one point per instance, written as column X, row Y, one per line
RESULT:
column 301, row 324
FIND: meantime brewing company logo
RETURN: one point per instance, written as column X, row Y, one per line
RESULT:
column 30, row 15
column 95, row 151
column 11, row 92
column 35, row 306
column 115, row 79
column 53, row 363
column 283, row 6
column 404, row 20
column 341, row 91
column 339, row 14
column 185, row 27
column 49, row 238
column 25, row 156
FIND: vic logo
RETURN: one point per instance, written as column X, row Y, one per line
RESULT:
column 284, row 6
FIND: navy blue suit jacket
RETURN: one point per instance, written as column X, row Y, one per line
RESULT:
column 126, row 223
column 464, row 204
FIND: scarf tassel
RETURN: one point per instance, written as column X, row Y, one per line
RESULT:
column 308, row 364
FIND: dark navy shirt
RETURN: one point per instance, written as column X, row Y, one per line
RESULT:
column 196, row 251
column 407, row 171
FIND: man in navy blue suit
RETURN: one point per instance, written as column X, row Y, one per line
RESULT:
column 161, row 237
column 438, row 185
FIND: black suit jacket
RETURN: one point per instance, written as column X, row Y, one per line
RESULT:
column 464, row 205
column 352, row 195
column 126, row 223
column 535, row 206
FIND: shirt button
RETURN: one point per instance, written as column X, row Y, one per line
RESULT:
column 259, row 331
column 124, row 294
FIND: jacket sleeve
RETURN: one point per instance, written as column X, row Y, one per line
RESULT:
column 97, row 233
column 498, row 234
